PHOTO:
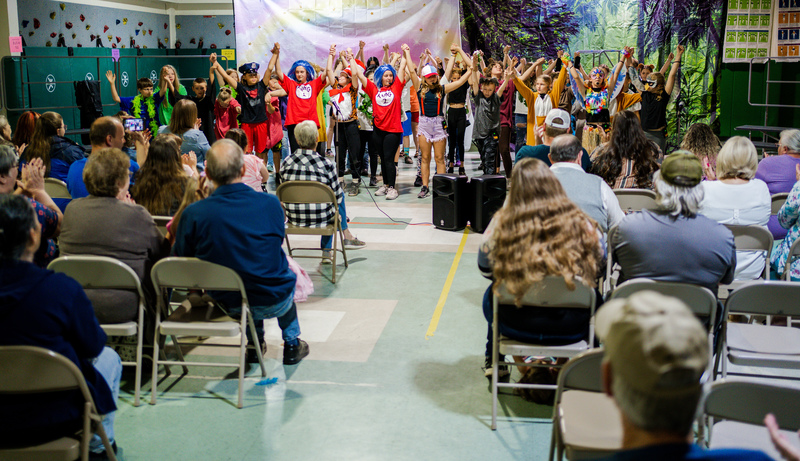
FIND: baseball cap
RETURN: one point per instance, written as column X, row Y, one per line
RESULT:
column 429, row 71
column 655, row 343
column 249, row 68
column 682, row 168
column 557, row 118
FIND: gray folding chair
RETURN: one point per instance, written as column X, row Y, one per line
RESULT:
column 611, row 267
column 101, row 272
column 736, row 411
column 751, row 238
column 778, row 200
column 760, row 345
column 794, row 253
column 586, row 422
column 161, row 223
column 56, row 188
column 36, row 370
column 313, row 192
column 191, row 273
column 632, row 200
column 552, row 292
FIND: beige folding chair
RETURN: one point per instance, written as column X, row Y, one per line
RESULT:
column 778, row 200
column 313, row 192
column 161, row 223
column 586, row 422
column 631, row 200
column 191, row 273
column 740, row 407
column 101, row 272
column 760, row 345
column 794, row 252
column 56, row 188
column 552, row 292
column 751, row 238
column 36, row 370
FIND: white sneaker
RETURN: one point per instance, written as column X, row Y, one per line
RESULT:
column 381, row 190
column 391, row 193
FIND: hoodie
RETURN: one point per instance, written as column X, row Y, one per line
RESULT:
column 41, row 308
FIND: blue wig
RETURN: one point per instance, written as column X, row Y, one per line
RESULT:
column 304, row 64
column 382, row 70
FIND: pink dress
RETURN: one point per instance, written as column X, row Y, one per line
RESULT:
column 226, row 118
column 252, row 171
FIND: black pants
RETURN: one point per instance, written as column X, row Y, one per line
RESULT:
column 505, row 149
column 385, row 144
column 348, row 141
column 292, row 142
column 488, row 149
column 456, row 128
column 366, row 137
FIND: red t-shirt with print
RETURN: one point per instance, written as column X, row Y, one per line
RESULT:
column 302, row 104
column 386, row 105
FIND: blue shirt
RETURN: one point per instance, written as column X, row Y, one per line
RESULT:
column 242, row 229
column 193, row 141
column 541, row 151
column 75, row 185
column 685, row 451
column 126, row 104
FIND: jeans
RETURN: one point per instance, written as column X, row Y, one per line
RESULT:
column 109, row 366
column 285, row 145
column 286, row 312
column 327, row 240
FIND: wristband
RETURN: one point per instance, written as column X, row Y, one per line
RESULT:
column 625, row 53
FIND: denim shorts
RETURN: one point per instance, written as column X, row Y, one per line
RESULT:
column 432, row 128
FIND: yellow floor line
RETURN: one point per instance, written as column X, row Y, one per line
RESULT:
column 437, row 314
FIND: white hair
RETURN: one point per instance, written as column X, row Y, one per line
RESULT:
column 791, row 139
column 677, row 200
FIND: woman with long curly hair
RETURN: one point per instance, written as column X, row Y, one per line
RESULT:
column 703, row 143
column 161, row 182
column 628, row 159
column 538, row 232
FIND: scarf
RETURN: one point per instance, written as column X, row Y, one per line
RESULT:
column 151, row 111
column 340, row 92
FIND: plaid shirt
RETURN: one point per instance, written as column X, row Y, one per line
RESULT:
column 308, row 165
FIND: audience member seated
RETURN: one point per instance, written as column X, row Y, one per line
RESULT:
column 184, row 123
column 737, row 198
column 788, row 219
column 555, row 124
column 256, row 172
column 5, row 132
column 161, row 181
column 195, row 190
column 628, row 159
column 31, row 185
column 25, row 125
column 240, row 228
column 109, row 223
column 656, row 353
column 589, row 192
column 104, row 132
column 49, row 310
column 538, row 232
column 674, row 243
column 703, row 143
column 778, row 172
column 306, row 164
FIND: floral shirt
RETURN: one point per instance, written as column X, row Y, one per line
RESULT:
column 48, row 219
column 788, row 219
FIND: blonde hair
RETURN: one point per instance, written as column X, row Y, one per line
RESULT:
column 539, row 231
column 737, row 159
column 161, row 82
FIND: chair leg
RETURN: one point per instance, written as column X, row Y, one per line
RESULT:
column 138, row 384
column 494, row 391
column 333, row 263
column 344, row 250
column 252, row 326
column 242, row 349
column 288, row 245
column 180, row 353
column 154, row 379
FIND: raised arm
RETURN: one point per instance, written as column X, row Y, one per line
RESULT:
column 506, row 57
column 274, row 65
column 665, row 68
column 386, row 53
column 212, row 59
column 531, row 69
column 224, row 75
column 509, row 74
column 360, row 54
column 357, row 71
column 112, row 79
column 328, row 72
column 460, row 82
column 410, row 66
column 403, row 62
column 578, row 79
column 474, row 80
column 451, row 62
column 674, row 71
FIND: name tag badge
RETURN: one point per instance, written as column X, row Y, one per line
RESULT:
column 303, row 91
column 384, row 98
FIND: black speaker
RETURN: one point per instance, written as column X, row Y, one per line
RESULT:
column 451, row 201
column 489, row 193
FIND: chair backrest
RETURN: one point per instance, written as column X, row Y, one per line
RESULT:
column 752, row 238
column 94, row 272
column 305, row 192
column 193, row 273
column 582, row 372
column 56, row 188
column 699, row 299
column 794, row 251
column 631, row 200
column 161, row 223
column 766, row 298
column 749, row 402
column 778, row 200
column 30, row 369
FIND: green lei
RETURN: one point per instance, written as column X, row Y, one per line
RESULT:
column 151, row 111
column 365, row 106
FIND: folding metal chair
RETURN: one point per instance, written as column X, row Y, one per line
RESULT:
column 313, row 192
column 632, row 200
column 56, row 188
column 36, row 370
column 777, row 201
column 161, row 223
column 552, row 292
column 751, row 238
column 101, row 272
column 191, row 273
column 740, row 407
column 586, row 422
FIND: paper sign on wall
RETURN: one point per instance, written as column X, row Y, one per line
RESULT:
column 115, row 54
column 229, row 54
column 15, row 43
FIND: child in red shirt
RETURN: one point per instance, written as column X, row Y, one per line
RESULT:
column 226, row 109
